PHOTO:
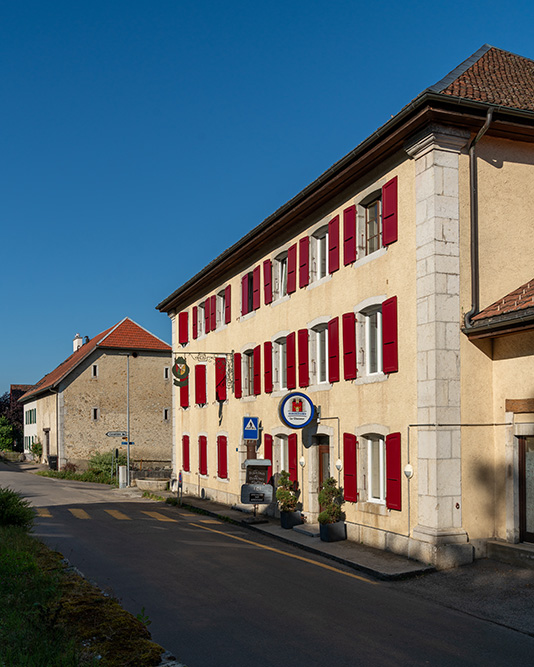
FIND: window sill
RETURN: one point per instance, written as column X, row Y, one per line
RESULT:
column 248, row 316
column 369, row 258
column 370, row 379
column 323, row 386
column 223, row 479
column 282, row 299
column 321, row 281
column 378, row 507
column 248, row 399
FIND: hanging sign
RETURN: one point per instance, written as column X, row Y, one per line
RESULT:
column 251, row 428
column 180, row 370
column 296, row 410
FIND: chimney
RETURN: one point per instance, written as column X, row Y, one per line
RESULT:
column 77, row 342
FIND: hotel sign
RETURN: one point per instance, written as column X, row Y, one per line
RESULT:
column 296, row 410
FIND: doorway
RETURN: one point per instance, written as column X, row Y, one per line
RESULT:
column 526, row 488
column 324, row 463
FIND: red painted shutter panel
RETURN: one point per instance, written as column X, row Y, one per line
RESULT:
column 238, row 390
column 183, row 327
column 292, row 456
column 185, row 453
column 349, row 235
column 333, row 350
column 349, row 346
column 304, row 375
column 390, row 355
column 195, row 322
column 268, row 453
column 244, row 294
column 333, row 244
column 202, row 454
column 220, row 379
column 256, row 355
column 200, row 384
column 389, row 212
column 292, row 269
column 304, row 261
column 267, row 281
column 184, row 395
column 350, row 487
column 207, row 318
column 393, row 472
column 222, row 457
column 228, row 304
column 291, row 371
column 268, row 366
column 256, row 280
column 213, row 312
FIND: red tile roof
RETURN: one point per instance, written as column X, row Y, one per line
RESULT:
column 126, row 335
column 520, row 299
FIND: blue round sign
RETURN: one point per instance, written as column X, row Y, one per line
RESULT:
column 296, row 410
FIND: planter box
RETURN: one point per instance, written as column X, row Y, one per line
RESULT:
column 290, row 519
column 333, row 532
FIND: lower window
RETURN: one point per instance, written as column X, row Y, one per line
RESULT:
column 376, row 468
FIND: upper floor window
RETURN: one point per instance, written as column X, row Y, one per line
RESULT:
column 166, row 414
column 280, row 283
column 95, row 414
column 250, row 291
column 166, row 373
column 319, row 248
column 248, row 373
column 319, row 340
column 201, row 321
column 280, row 363
column 31, row 416
column 373, row 227
column 373, row 340
column 221, row 308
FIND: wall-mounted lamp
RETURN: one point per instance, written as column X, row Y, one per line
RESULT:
column 339, row 464
column 408, row 470
column 302, row 462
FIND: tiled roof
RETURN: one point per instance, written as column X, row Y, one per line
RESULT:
column 518, row 300
column 492, row 76
column 125, row 335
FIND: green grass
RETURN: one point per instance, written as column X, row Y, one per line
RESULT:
column 87, row 476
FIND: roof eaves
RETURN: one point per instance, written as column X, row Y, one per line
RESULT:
column 507, row 323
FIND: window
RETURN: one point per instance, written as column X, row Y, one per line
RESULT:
column 280, row 364
column 185, row 453
column 320, row 254
column 201, row 319
column 166, row 373
column 221, row 308
column 166, row 414
column 94, row 371
column 280, row 454
column 30, row 416
column 373, row 341
column 376, row 468
column 280, row 282
column 250, row 291
column 320, row 353
column 183, row 327
column 200, row 384
column 95, row 414
column 202, row 455
column 373, row 227
column 248, row 373
column 222, row 457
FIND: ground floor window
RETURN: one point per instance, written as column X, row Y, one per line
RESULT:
column 376, row 461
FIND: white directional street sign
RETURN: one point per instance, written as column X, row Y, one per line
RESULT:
column 117, row 434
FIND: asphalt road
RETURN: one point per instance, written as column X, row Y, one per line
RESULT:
column 221, row 596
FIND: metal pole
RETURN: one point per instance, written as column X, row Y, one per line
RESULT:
column 128, row 419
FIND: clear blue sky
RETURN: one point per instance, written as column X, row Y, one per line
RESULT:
column 140, row 139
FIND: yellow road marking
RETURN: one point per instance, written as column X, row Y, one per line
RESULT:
column 284, row 553
column 44, row 513
column 79, row 514
column 118, row 515
column 158, row 516
column 209, row 521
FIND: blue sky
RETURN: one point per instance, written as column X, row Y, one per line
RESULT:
column 140, row 139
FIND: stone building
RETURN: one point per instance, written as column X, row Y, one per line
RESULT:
column 117, row 381
column 378, row 294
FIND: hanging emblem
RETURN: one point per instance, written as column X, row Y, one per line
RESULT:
column 180, row 370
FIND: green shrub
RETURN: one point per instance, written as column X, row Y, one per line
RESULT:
column 7, row 434
column 330, row 499
column 101, row 462
column 14, row 510
column 285, row 493
column 36, row 449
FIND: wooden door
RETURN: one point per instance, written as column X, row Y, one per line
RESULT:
column 526, row 489
column 324, row 465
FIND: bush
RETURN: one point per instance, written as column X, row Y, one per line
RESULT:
column 36, row 449
column 101, row 462
column 330, row 499
column 7, row 434
column 285, row 493
column 14, row 510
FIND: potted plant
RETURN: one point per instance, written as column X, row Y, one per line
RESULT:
column 287, row 497
column 332, row 518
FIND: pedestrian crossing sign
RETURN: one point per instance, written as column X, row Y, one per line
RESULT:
column 251, row 429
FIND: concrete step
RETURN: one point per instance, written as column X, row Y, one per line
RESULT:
column 513, row 554
column 309, row 529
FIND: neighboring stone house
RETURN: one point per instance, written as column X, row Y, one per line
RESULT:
column 365, row 294
column 118, row 379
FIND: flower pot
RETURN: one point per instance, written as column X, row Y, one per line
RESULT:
column 333, row 532
column 290, row 519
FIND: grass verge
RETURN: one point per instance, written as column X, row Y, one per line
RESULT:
column 87, row 476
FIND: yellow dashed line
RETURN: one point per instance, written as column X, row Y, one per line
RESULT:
column 118, row 515
column 209, row 521
column 284, row 553
column 158, row 516
column 44, row 513
column 79, row 514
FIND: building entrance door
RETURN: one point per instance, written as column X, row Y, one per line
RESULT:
column 526, row 488
column 324, row 465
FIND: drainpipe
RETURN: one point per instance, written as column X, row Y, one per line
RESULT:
column 473, row 184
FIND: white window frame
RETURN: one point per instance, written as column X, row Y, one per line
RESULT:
column 280, row 453
column 201, row 321
column 247, row 358
column 319, row 353
column 280, row 276
column 220, row 309
column 319, row 254
column 373, row 363
column 280, row 363
column 376, row 458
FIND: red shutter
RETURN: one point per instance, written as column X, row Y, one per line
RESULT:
column 207, row 318
column 203, row 454
column 200, row 384
column 291, row 371
column 349, row 346
column 333, row 350
column 195, row 322
column 267, row 281
column 268, row 366
column 304, row 261
column 292, row 269
column 333, row 244
column 389, row 212
column 244, row 294
column 184, row 395
column 390, row 356
column 393, row 472
column 220, row 379
column 222, row 457
column 213, row 312
column 268, row 453
column 256, row 355
column 185, row 453
column 350, row 487
column 256, row 280
column 183, row 327
column 304, row 375
column 292, row 456
column 238, row 391
column 228, row 304
column 349, row 235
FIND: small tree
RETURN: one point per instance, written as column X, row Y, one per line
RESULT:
column 7, row 434
column 36, row 448
column 330, row 499
column 285, row 493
